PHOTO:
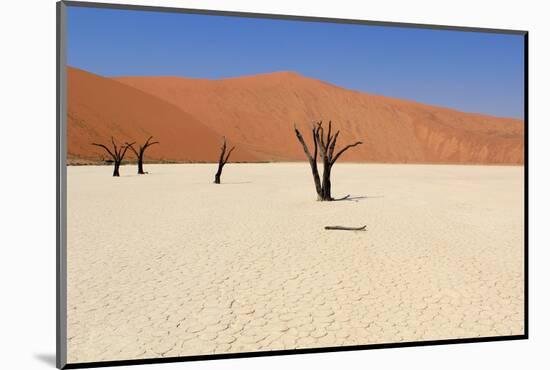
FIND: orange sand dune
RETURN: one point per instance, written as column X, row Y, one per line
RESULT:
column 99, row 108
column 258, row 113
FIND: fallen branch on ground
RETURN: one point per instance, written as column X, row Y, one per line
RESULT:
column 362, row 228
column 343, row 198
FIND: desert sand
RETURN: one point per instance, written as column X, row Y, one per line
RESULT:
column 169, row 264
column 257, row 113
column 100, row 108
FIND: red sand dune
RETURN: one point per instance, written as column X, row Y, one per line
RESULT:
column 99, row 108
column 258, row 113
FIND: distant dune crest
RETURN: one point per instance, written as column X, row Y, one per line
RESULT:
column 257, row 113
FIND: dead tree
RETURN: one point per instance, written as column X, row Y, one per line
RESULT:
column 117, row 154
column 222, row 161
column 139, row 153
column 325, row 145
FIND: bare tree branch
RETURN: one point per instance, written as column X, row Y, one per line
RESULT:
column 107, row 149
column 328, row 134
column 125, row 149
column 312, row 160
column 228, row 154
column 315, row 144
column 148, row 143
column 133, row 149
column 332, row 146
column 117, row 152
column 304, row 145
column 320, row 139
column 151, row 143
column 344, row 149
column 223, row 148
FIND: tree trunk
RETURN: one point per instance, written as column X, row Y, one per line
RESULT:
column 115, row 171
column 140, row 165
column 316, row 178
column 222, row 161
column 326, row 186
column 217, row 177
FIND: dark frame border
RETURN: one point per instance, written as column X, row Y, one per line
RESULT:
column 61, row 187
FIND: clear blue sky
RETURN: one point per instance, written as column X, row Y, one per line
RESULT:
column 472, row 72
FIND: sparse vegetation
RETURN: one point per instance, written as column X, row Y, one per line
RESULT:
column 222, row 161
column 117, row 154
column 140, row 153
column 326, row 146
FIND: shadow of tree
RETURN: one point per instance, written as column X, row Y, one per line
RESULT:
column 358, row 198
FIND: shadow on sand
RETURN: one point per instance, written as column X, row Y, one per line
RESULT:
column 358, row 198
column 236, row 183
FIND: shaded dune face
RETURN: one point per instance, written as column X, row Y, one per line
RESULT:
column 258, row 113
column 99, row 108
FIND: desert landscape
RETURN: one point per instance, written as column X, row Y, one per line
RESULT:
column 418, row 237
column 241, row 184
column 170, row 264
column 257, row 114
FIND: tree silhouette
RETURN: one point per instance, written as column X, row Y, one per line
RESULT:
column 117, row 154
column 222, row 161
column 139, row 153
column 326, row 146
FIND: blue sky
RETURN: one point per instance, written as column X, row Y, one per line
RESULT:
column 468, row 71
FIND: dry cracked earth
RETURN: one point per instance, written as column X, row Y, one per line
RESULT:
column 168, row 264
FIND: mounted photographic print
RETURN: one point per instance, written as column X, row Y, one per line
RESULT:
column 234, row 184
